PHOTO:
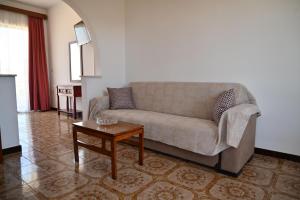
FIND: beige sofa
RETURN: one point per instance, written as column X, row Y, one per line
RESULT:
column 178, row 121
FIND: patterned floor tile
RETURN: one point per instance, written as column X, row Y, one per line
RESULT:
column 92, row 192
column 20, row 193
column 256, row 175
column 4, row 169
column 128, row 181
column 40, row 146
column 165, row 191
column 97, row 168
column 156, row 165
column 9, row 181
column 16, row 161
column 289, row 185
column 34, row 156
column 51, row 166
column 84, row 157
column 47, row 165
column 59, row 149
column 264, row 161
column 191, row 177
column 88, row 154
column 204, row 196
column 290, row 167
column 27, row 169
column 69, row 159
column 33, row 176
column 129, row 155
column 227, row 189
column 281, row 197
column 32, row 172
column 59, row 184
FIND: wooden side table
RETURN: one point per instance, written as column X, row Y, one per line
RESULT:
column 71, row 92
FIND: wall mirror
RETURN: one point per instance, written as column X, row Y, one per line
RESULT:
column 76, row 69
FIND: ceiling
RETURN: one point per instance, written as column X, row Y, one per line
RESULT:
column 40, row 3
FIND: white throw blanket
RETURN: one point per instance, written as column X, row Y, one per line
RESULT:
column 234, row 122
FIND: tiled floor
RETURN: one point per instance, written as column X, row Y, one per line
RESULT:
column 46, row 170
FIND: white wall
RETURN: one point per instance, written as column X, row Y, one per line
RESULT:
column 105, row 20
column 253, row 42
column 88, row 59
column 8, row 112
column 61, row 20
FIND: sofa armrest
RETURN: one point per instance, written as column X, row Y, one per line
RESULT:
column 97, row 105
column 233, row 159
column 234, row 122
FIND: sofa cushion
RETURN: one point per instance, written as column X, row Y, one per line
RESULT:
column 224, row 101
column 185, row 99
column 120, row 98
column 193, row 134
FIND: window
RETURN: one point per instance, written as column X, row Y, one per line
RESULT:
column 14, row 53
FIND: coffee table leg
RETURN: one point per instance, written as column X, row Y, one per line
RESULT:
column 75, row 145
column 113, row 160
column 141, row 147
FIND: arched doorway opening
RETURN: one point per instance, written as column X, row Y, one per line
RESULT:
column 64, row 59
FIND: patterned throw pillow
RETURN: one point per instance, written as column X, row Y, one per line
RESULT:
column 224, row 101
column 120, row 98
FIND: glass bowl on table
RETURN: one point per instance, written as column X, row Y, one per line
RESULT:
column 103, row 120
column 106, row 121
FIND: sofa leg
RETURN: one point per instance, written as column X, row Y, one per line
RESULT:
column 219, row 164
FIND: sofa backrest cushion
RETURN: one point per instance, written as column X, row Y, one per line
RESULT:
column 120, row 98
column 190, row 99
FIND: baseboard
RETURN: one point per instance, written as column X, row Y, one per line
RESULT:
column 15, row 149
column 277, row 154
column 53, row 108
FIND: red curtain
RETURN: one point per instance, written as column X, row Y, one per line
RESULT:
column 38, row 73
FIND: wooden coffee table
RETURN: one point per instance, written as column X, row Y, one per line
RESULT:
column 114, row 133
